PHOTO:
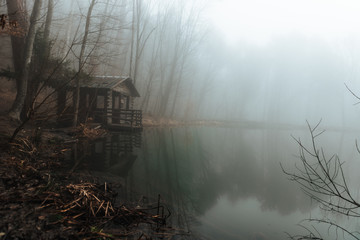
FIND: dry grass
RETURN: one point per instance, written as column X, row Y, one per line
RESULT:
column 41, row 202
column 90, row 132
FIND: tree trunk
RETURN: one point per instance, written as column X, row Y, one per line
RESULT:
column 132, row 38
column 94, row 58
column 169, row 85
column 49, row 17
column 68, row 30
column 81, row 64
column 177, row 89
column 17, row 13
column 24, row 76
column 40, row 61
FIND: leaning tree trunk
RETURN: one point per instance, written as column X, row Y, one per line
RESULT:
column 24, row 75
column 39, row 64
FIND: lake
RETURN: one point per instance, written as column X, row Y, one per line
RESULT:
column 222, row 183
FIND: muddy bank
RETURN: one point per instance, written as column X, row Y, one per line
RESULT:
column 41, row 199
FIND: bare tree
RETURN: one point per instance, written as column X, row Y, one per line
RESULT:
column 150, row 76
column 322, row 178
column 24, row 73
column 179, row 29
column 140, row 35
column 17, row 13
column 48, row 21
column 81, row 62
column 40, row 59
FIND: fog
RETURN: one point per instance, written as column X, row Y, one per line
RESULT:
column 286, row 61
column 278, row 61
column 275, row 61
column 259, row 21
column 224, row 182
column 289, row 80
column 237, row 80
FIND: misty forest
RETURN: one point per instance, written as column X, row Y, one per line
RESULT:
column 179, row 119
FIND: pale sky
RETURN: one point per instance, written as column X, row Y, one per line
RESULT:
column 258, row 21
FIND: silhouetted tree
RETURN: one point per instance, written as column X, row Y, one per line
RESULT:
column 323, row 179
column 25, row 62
column 81, row 62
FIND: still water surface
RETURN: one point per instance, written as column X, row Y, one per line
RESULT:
column 221, row 183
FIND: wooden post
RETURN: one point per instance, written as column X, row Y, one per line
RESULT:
column 127, row 102
column 132, row 118
column 108, row 106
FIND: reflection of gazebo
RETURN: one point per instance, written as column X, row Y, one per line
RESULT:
column 115, row 153
column 107, row 100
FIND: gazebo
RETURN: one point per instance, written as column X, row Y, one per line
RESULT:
column 107, row 100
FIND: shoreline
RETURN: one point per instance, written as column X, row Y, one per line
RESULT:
column 41, row 199
column 150, row 122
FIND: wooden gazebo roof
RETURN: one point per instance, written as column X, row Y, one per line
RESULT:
column 123, row 85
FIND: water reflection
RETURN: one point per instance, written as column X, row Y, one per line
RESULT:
column 224, row 182
column 206, row 164
column 114, row 153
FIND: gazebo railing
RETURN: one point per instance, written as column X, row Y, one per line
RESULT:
column 120, row 117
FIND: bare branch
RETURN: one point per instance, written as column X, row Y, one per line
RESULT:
column 356, row 96
column 323, row 179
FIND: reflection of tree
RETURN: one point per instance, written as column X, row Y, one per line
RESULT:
column 122, row 167
column 167, row 167
column 114, row 153
column 277, row 193
column 237, row 176
column 192, row 168
column 241, row 174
